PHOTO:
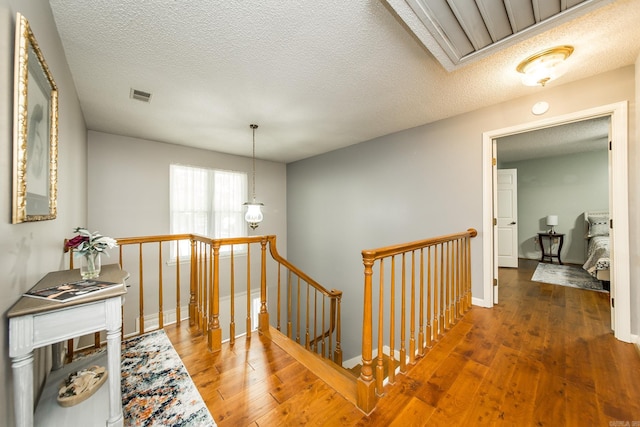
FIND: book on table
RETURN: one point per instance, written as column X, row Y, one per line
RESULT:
column 72, row 290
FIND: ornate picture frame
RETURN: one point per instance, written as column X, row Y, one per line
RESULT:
column 35, row 131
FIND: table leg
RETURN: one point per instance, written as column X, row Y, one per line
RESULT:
column 22, row 367
column 114, row 350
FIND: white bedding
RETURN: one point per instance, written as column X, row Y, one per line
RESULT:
column 597, row 255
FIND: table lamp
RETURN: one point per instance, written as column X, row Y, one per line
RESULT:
column 552, row 220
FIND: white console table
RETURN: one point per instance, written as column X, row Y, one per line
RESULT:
column 35, row 323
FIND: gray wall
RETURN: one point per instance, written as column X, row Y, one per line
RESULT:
column 129, row 185
column 30, row 250
column 419, row 183
column 129, row 196
column 565, row 186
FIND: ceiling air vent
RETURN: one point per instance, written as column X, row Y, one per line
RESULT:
column 140, row 95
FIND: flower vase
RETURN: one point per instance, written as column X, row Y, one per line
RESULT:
column 90, row 265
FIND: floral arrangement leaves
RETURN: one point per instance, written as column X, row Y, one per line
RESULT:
column 85, row 242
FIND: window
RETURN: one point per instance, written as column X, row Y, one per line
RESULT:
column 207, row 202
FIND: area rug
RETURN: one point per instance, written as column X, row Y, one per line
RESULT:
column 566, row 275
column 156, row 387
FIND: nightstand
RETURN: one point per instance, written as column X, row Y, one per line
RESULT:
column 548, row 250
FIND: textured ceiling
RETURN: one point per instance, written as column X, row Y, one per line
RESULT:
column 586, row 135
column 316, row 76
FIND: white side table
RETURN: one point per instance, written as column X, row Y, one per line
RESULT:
column 35, row 323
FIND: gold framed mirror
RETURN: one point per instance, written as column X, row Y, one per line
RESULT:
column 35, row 131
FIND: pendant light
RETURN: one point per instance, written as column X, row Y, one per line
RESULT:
column 254, row 213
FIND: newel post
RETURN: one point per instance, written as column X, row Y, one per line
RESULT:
column 263, row 317
column 215, row 333
column 366, row 385
column 193, row 284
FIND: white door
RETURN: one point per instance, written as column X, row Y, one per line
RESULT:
column 507, row 217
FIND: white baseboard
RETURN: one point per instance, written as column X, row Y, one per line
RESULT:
column 480, row 302
column 152, row 321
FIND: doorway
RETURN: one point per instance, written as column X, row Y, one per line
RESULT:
column 618, row 208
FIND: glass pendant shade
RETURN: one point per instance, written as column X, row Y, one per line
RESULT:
column 254, row 214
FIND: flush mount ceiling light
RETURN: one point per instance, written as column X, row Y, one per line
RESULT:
column 544, row 66
column 254, row 213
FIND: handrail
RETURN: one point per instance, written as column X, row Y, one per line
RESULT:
column 335, row 296
column 442, row 293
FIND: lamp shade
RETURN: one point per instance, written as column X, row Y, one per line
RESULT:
column 552, row 220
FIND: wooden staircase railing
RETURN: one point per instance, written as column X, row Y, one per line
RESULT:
column 440, row 294
column 160, row 291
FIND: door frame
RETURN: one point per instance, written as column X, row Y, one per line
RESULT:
column 618, row 205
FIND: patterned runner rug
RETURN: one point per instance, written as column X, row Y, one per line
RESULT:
column 566, row 275
column 156, row 388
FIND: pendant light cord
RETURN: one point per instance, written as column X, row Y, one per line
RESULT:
column 254, row 127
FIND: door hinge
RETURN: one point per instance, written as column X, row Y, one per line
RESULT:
column 495, row 221
column 494, row 161
column 495, row 282
column 610, row 146
column 611, row 223
column 613, row 303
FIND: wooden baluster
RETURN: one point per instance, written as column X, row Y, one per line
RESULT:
column 263, row 316
column 459, row 302
column 248, row 308
column 324, row 325
column 298, row 312
column 202, row 297
column 450, row 285
column 279, row 304
column 421, row 316
column 392, row 323
column 436, row 297
column 215, row 333
column 289, row 323
column 467, row 276
column 232, row 309
column 160, row 289
column 454, row 285
column 141, row 290
column 337, row 354
column 178, row 302
column 468, row 268
column 447, row 287
column 193, row 286
column 380, row 363
column 366, row 397
column 331, row 325
column 412, row 326
column 429, row 301
column 441, row 305
column 307, row 338
column 204, row 287
column 315, row 321
column 403, row 316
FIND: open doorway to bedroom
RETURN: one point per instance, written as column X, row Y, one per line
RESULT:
column 615, row 202
column 560, row 178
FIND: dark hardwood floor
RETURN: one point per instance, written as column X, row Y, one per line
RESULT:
column 544, row 356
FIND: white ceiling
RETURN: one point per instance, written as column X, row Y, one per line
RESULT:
column 315, row 75
column 576, row 137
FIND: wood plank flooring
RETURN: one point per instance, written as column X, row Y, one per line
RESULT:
column 544, row 356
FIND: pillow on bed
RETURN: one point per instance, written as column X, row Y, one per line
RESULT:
column 598, row 225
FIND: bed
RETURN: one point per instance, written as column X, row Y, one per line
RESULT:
column 598, row 261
